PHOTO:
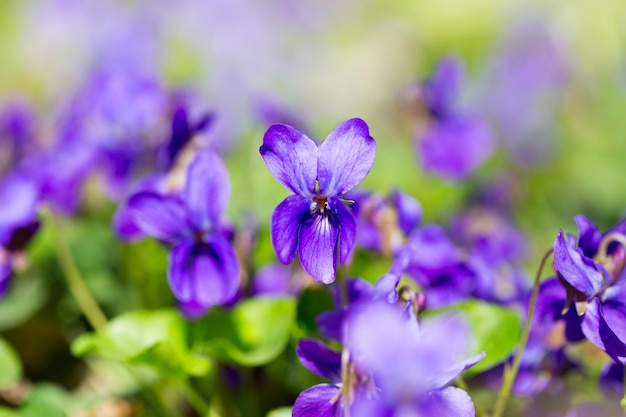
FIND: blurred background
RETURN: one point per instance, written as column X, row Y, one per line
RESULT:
column 548, row 79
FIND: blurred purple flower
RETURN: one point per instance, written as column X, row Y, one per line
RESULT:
column 17, row 133
column 203, row 266
column 275, row 279
column 453, row 143
column 592, row 270
column 524, row 80
column 314, row 222
column 411, row 366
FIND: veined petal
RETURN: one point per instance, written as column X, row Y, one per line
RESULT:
column 207, row 273
column 207, row 189
column 291, row 157
column 320, row 359
column 287, row 219
column 599, row 333
column 161, row 216
column 317, row 246
column 316, row 402
column 588, row 235
column 347, row 228
column 575, row 268
column 345, row 157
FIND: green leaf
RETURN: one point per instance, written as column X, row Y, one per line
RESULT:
column 495, row 330
column 280, row 412
column 153, row 338
column 25, row 299
column 253, row 333
column 10, row 365
column 7, row 412
column 45, row 400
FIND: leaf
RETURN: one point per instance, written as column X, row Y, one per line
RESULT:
column 25, row 299
column 7, row 412
column 154, row 338
column 45, row 400
column 253, row 333
column 10, row 365
column 495, row 330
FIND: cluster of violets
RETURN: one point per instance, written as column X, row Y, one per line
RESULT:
column 150, row 149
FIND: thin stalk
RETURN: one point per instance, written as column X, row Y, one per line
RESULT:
column 511, row 373
column 463, row 385
column 75, row 281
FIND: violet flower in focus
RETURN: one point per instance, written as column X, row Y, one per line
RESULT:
column 592, row 270
column 203, row 266
column 314, row 222
column 453, row 143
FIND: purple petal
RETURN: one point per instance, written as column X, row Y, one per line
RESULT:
column 317, row 246
column 385, row 288
column 441, row 89
column 588, row 236
column 456, row 147
column 320, row 359
column 5, row 274
column 273, row 279
column 207, row 189
column 207, row 273
column 18, row 199
column 431, row 249
column 159, row 216
column 316, row 402
column 453, row 371
column 409, row 211
column 345, row 157
column 347, row 225
column 330, row 324
column 291, row 157
column 600, row 334
column 449, row 402
column 287, row 219
column 575, row 268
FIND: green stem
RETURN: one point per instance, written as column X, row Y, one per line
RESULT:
column 511, row 373
column 197, row 402
column 74, row 280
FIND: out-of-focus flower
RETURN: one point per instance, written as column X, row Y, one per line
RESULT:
column 411, row 365
column 384, row 223
column 523, row 82
column 592, row 270
column 314, row 222
column 451, row 143
column 203, row 266
column 17, row 133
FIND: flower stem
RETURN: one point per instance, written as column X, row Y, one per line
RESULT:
column 75, row 282
column 511, row 373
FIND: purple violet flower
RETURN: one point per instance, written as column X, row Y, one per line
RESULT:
column 203, row 266
column 452, row 144
column 411, row 365
column 592, row 270
column 314, row 222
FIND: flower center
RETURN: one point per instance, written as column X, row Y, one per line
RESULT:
column 321, row 202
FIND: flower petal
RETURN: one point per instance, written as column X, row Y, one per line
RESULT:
column 576, row 268
column 449, row 402
column 588, row 235
column 320, row 359
column 317, row 246
column 5, row 274
column 599, row 333
column 19, row 200
column 291, row 157
column 207, row 273
column 287, row 219
column 207, row 189
column 316, row 402
column 345, row 157
column 347, row 228
column 160, row 216
column 409, row 210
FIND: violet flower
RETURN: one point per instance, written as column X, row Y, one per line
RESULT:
column 314, row 222
column 411, row 365
column 592, row 270
column 203, row 266
column 454, row 143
